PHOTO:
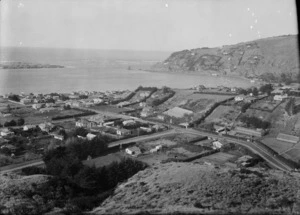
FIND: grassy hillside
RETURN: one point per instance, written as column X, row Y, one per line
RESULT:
column 267, row 58
column 186, row 188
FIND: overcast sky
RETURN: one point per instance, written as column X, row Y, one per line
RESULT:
column 163, row 25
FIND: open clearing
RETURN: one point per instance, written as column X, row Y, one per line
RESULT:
column 224, row 114
column 219, row 158
column 277, row 145
column 108, row 108
column 293, row 154
column 105, row 160
column 193, row 101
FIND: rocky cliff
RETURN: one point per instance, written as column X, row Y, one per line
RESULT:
column 267, row 58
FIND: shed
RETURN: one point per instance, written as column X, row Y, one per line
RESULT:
column 287, row 138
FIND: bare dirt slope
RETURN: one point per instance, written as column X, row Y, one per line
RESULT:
column 194, row 188
column 265, row 58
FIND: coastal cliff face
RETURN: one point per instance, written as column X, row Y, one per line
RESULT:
column 194, row 188
column 265, row 58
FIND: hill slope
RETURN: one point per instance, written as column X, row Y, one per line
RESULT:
column 265, row 58
column 194, row 188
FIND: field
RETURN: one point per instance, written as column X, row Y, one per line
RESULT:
column 197, row 103
column 5, row 102
column 109, row 108
column 32, row 116
column 278, row 146
column 265, row 104
column 223, row 114
column 293, row 154
column 175, row 146
column 218, row 158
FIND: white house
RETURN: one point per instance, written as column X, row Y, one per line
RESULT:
column 238, row 98
column 37, row 106
column 28, row 127
column 90, row 136
column 156, row 149
column 98, row 101
column 25, row 101
column 128, row 122
column 280, row 97
column 6, row 132
column 217, row 145
column 134, row 151
column 146, row 129
column 123, row 132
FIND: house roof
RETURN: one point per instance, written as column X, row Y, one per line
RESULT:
column 287, row 137
column 134, row 149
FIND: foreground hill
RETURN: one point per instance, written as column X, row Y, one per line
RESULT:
column 194, row 188
column 15, row 191
column 265, row 58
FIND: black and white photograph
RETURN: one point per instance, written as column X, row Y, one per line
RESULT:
column 149, row 107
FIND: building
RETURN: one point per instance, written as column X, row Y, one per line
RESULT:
column 238, row 98
column 148, row 130
column 25, row 101
column 47, row 127
column 123, row 132
column 90, row 136
column 134, row 151
column 161, row 117
column 38, row 106
column 147, row 111
column 217, row 145
column 58, row 136
column 184, row 125
column 280, row 97
column 6, row 132
column 128, row 122
column 250, row 132
column 178, row 112
column 287, row 138
column 82, row 123
column 97, row 101
column 123, row 104
column 28, row 127
column 156, row 149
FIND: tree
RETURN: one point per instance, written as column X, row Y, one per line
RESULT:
column 255, row 91
column 267, row 88
column 20, row 121
column 14, row 97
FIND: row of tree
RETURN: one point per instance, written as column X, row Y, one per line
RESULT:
column 12, row 122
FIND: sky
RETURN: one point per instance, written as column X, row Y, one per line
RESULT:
column 156, row 25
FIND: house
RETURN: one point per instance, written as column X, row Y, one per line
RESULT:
column 250, row 132
column 178, row 112
column 46, row 126
column 158, row 127
column 156, row 149
column 90, row 136
column 146, row 129
column 128, row 122
column 25, row 101
column 123, row 132
column 73, row 97
column 123, row 104
column 6, row 132
column 184, row 125
column 217, row 145
column 82, row 123
column 280, row 97
column 97, row 101
column 28, row 127
column 161, row 117
column 134, row 151
column 250, row 99
column 11, row 148
column 200, row 88
column 287, row 138
column 38, row 106
column 239, row 98
column 58, row 136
